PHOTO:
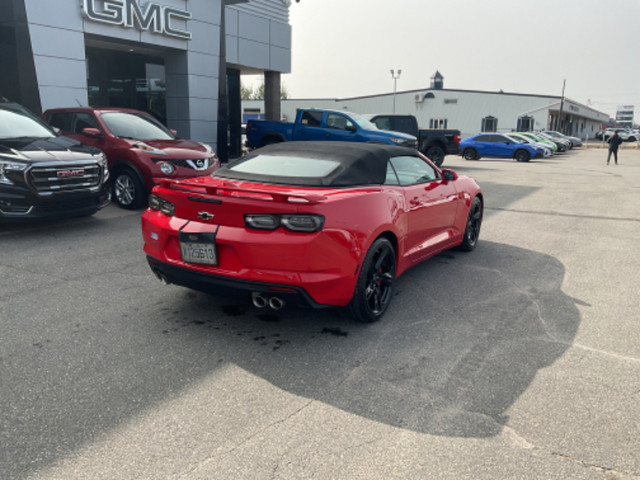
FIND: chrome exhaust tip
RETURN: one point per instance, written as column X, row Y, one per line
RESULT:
column 161, row 276
column 276, row 303
column 259, row 300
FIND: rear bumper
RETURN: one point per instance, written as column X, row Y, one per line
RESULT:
column 314, row 270
column 229, row 287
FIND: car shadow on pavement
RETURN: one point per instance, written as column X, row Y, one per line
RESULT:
column 464, row 337
column 102, row 341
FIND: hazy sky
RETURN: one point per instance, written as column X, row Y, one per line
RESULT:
column 345, row 48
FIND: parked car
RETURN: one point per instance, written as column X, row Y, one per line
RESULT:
column 498, row 145
column 625, row 134
column 575, row 141
column 434, row 143
column 546, row 148
column 310, row 223
column 138, row 147
column 544, row 141
column 324, row 125
column 564, row 145
column 44, row 175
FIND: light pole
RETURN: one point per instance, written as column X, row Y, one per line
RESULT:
column 395, row 75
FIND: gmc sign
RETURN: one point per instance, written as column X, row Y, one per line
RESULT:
column 130, row 14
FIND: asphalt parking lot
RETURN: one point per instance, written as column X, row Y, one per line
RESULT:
column 520, row 360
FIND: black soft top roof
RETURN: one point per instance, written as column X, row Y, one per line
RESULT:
column 359, row 163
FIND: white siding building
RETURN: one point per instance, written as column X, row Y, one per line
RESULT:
column 469, row 111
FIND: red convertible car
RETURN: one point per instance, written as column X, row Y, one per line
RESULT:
column 310, row 223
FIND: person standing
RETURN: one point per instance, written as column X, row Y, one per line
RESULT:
column 614, row 143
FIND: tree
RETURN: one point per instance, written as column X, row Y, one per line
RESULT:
column 257, row 93
column 246, row 93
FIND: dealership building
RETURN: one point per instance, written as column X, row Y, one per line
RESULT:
column 179, row 59
column 470, row 111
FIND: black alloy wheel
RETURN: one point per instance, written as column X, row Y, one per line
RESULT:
column 472, row 229
column 470, row 154
column 374, row 287
column 522, row 155
column 435, row 154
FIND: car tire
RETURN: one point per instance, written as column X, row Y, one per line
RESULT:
column 374, row 287
column 435, row 154
column 128, row 190
column 522, row 155
column 472, row 228
column 470, row 154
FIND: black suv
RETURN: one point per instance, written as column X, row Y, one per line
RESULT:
column 44, row 175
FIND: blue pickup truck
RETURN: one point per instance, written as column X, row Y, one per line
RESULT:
column 328, row 125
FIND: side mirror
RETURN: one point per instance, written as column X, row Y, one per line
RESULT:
column 173, row 132
column 352, row 128
column 91, row 132
column 449, row 174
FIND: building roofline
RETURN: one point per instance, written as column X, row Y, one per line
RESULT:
column 429, row 89
column 557, row 98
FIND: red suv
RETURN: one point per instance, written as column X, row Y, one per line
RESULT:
column 137, row 146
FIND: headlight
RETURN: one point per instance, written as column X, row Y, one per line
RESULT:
column 6, row 167
column 207, row 148
column 160, row 204
column 102, row 161
column 148, row 148
column 398, row 141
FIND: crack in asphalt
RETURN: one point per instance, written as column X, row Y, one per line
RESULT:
column 531, row 298
column 569, row 215
column 13, row 267
column 604, row 352
column 518, row 441
column 280, row 421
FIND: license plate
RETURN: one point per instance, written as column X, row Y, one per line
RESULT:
column 198, row 248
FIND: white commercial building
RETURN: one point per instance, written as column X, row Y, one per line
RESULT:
column 470, row 111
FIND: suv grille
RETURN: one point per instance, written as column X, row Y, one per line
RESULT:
column 56, row 179
column 199, row 164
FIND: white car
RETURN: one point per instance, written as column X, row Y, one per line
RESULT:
column 625, row 134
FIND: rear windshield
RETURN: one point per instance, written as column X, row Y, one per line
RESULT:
column 286, row 166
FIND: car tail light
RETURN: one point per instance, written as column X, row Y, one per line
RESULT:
column 162, row 205
column 262, row 222
column 306, row 223
column 302, row 223
column 457, row 138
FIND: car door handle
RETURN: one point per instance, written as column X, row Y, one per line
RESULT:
column 415, row 201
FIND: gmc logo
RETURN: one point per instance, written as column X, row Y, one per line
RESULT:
column 70, row 173
column 129, row 13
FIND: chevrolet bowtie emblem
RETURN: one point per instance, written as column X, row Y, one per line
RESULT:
column 205, row 215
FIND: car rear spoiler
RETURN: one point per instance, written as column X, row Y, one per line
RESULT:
column 231, row 189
